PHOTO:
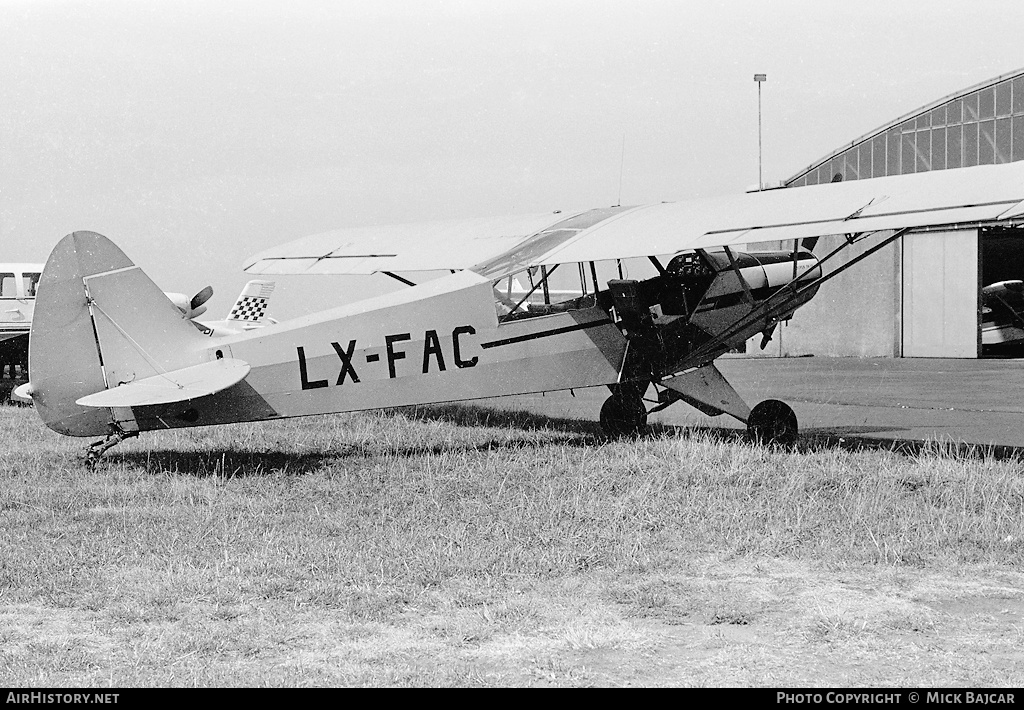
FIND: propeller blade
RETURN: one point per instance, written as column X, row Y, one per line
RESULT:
column 201, row 297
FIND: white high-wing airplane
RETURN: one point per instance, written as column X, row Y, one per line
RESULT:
column 110, row 354
column 248, row 312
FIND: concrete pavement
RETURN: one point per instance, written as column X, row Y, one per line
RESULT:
column 914, row 400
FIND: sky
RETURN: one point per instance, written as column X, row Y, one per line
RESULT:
column 194, row 134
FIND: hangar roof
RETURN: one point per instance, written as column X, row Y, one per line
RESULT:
column 980, row 125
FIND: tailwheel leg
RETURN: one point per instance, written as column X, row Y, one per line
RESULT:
column 773, row 422
column 97, row 448
column 623, row 414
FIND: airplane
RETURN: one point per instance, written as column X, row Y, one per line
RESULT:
column 1002, row 314
column 111, row 355
column 247, row 313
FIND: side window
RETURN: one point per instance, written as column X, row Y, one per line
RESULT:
column 31, row 282
column 8, row 286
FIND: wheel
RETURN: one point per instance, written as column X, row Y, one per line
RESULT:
column 773, row 422
column 623, row 416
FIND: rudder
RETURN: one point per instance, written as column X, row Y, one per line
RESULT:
column 100, row 322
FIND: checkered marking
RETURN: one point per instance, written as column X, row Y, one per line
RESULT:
column 249, row 308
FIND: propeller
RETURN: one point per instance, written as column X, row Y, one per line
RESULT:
column 199, row 299
column 193, row 307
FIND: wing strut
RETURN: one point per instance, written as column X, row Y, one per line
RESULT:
column 396, row 277
column 739, row 275
column 794, row 289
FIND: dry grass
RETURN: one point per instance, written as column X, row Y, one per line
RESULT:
column 456, row 546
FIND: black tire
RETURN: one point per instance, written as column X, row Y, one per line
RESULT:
column 623, row 416
column 773, row 422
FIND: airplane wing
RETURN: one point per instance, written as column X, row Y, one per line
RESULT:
column 177, row 386
column 432, row 246
column 932, row 199
column 1004, row 288
column 1005, row 297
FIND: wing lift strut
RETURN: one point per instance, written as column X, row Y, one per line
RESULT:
column 398, row 278
column 770, row 420
column 780, row 301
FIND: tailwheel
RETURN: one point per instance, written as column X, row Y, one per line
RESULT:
column 773, row 422
column 623, row 415
column 97, row 448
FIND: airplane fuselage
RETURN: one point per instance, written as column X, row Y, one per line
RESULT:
column 437, row 342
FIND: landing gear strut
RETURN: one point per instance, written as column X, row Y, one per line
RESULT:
column 773, row 422
column 623, row 414
column 115, row 437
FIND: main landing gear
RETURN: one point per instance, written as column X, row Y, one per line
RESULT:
column 770, row 423
column 624, row 413
column 773, row 422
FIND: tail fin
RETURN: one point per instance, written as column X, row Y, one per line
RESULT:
column 252, row 303
column 99, row 322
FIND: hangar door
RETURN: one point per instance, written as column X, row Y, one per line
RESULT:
column 940, row 294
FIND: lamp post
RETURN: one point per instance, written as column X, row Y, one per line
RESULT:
column 760, row 79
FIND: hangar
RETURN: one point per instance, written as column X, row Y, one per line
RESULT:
column 920, row 296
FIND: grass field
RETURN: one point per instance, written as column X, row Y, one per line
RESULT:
column 453, row 546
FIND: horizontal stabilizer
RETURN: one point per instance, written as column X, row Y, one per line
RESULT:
column 177, row 386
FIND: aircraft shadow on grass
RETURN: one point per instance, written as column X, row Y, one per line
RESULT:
column 232, row 462
column 478, row 416
column 235, row 462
